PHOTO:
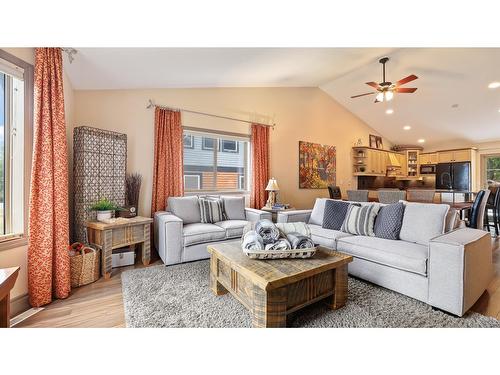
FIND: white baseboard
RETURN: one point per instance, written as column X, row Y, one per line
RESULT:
column 24, row 315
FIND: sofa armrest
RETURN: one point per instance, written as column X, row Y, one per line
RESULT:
column 294, row 216
column 253, row 214
column 460, row 269
column 168, row 237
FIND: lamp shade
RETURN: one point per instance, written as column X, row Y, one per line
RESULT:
column 272, row 185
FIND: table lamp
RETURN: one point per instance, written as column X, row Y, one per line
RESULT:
column 272, row 188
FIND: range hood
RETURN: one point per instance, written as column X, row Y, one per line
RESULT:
column 393, row 161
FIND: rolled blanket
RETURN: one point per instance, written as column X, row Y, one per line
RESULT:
column 268, row 231
column 281, row 244
column 299, row 227
column 252, row 241
column 299, row 241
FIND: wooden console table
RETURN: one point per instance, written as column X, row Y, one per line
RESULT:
column 8, row 278
column 120, row 234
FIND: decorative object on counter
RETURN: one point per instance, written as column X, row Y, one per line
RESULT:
column 317, row 165
column 358, row 143
column 84, row 264
column 132, row 189
column 99, row 167
column 104, row 208
column 376, row 141
column 272, row 187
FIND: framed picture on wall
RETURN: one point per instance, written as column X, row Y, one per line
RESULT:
column 317, row 165
column 376, row 141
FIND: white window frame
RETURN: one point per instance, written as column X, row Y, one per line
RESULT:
column 20, row 67
column 191, row 139
column 193, row 175
column 218, row 136
column 221, row 147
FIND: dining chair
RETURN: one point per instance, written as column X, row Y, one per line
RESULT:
column 420, row 195
column 476, row 219
column 334, row 192
column 493, row 204
column 357, row 195
column 391, row 196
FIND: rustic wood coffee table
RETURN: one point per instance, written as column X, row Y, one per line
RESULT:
column 272, row 289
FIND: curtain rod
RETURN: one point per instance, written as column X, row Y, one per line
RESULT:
column 151, row 104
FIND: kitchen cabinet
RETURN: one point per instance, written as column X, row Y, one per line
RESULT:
column 430, row 158
column 369, row 162
column 454, row 156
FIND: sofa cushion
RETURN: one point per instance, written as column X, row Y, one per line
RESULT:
column 234, row 208
column 211, row 210
column 360, row 219
column 326, row 237
column 233, row 228
column 423, row 221
column 185, row 208
column 389, row 220
column 318, row 211
column 202, row 232
column 335, row 212
column 402, row 255
column 452, row 220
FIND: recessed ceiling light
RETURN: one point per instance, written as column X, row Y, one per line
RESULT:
column 389, row 111
column 494, row 85
column 407, row 127
column 421, row 140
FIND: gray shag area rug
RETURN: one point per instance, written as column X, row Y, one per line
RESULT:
column 179, row 296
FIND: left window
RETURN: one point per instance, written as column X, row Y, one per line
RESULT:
column 13, row 150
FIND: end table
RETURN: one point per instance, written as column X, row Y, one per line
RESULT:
column 274, row 211
column 123, row 233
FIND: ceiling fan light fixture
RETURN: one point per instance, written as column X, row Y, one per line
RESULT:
column 388, row 96
column 380, row 97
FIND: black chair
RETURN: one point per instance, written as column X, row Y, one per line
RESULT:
column 493, row 205
column 476, row 218
column 334, row 192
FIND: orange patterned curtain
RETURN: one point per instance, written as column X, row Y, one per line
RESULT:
column 260, row 165
column 168, row 173
column 48, row 258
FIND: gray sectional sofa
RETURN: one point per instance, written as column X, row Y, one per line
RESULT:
column 181, row 237
column 434, row 260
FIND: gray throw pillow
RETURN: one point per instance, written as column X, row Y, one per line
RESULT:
column 234, row 208
column 389, row 221
column 335, row 212
column 185, row 208
column 360, row 219
column 211, row 210
column 423, row 221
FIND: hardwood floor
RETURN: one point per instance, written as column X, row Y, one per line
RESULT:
column 101, row 305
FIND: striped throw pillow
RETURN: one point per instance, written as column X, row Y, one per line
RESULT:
column 211, row 210
column 360, row 219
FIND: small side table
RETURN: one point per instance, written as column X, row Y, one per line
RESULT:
column 107, row 237
column 8, row 278
column 274, row 211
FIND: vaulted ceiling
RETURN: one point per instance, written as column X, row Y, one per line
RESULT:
column 452, row 103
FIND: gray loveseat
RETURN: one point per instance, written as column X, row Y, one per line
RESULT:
column 434, row 261
column 181, row 237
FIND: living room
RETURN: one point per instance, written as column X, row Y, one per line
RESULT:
column 237, row 186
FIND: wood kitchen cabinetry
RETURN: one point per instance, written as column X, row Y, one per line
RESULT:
column 372, row 162
column 428, row 158
column 452, row 156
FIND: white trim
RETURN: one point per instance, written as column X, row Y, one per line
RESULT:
column 198, row 180
column 11, row 69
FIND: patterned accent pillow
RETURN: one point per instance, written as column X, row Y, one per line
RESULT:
column 360, row 219
column 389, row 221
column 211, row 210
column 335, row 212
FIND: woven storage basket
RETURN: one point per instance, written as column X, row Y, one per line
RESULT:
column 280, row 254
column 84, row 265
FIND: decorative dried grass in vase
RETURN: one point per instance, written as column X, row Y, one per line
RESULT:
column 132, row 188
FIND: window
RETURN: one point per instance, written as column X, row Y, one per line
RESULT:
column 492, row 167
column 228, row 145
column 16, row 95
column 188, row 141
column 216, row 162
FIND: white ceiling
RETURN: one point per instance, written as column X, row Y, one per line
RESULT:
column 446, row 77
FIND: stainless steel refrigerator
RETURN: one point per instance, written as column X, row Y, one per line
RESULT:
column 453, row 176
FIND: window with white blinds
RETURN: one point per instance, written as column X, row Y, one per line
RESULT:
column 12, row 127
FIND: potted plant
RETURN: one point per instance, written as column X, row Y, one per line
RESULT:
column 104, row 208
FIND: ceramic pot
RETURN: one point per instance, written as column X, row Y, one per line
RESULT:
column 104, row 215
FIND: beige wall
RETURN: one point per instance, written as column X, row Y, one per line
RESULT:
column 306, row 114
column 18, row 256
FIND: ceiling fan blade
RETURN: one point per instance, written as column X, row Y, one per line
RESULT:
column 373, row 84
column 404, row 90
column 406, row 80
column 357, row 96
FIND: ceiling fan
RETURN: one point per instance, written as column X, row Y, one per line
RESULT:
column 385, row 90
